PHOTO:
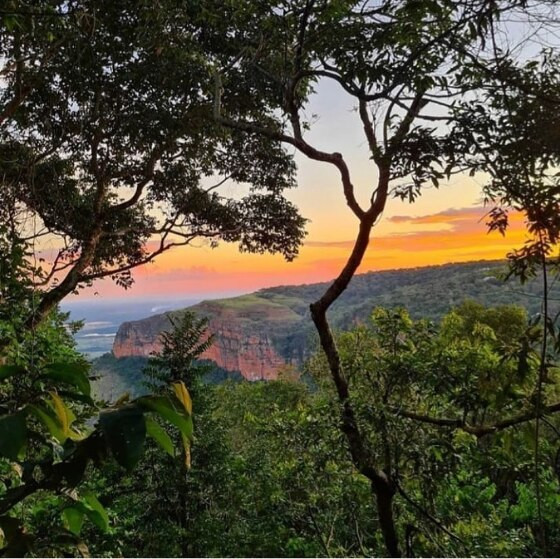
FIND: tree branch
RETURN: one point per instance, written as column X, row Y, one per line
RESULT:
column 477, row 430
column 297, row 141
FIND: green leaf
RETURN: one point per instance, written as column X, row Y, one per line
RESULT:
column 95, row 511
column 125, row 431
column 50, row 422
column 13, row 435
column 183, row 395
column 62, row 413
column 166, row 410
column 7, row 371
column 74, row 374
column 65, row 417
column 73, row 517
column 157, row 432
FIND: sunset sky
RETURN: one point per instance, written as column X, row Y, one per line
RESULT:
column 445, row 225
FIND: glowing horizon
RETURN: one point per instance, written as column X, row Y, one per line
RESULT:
column 408, row 241
column 442, row 226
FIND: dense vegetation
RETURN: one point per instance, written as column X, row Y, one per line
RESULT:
column 283, row 312
column 427, row 292
column 113, row 377
column 271, row 477
column 53, row 434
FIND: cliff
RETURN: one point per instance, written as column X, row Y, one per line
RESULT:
column 248, row 334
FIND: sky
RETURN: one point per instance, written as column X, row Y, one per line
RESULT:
column 444, row 225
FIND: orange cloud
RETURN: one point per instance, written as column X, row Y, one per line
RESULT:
column 449, row 216
column 461, row 228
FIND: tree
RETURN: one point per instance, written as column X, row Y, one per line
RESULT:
column 108, row 149
column 517, row 112
column 47, row 443
column 449, row 410
column 107, row 139
column 269, row 477
column 402, row 64
column 154, row 505
column 254, row 485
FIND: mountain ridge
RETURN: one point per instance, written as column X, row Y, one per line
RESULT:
column 259, row 333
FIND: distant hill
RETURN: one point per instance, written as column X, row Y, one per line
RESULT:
column 259, row 333
column 102, row 316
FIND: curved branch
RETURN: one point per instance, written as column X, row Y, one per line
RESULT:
column 477, row 430
column 369, row 130
column 297, row 141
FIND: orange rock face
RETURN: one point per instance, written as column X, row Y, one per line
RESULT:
column 253, row 356
column 132, row 341
column 237, row 345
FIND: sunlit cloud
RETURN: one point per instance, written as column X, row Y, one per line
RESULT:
column 460, row 228
column 449, row 217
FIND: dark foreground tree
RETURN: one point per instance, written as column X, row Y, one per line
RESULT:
column 403, row 64
column 109, row 154
column 52, row 432
column 452, row 408
column 518, row 111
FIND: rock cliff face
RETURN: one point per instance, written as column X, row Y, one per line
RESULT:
column 257, row 334
column 249, row 335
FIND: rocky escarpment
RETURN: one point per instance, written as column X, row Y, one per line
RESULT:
column 252, row 335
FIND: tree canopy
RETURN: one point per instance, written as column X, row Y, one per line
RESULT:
column 109, row 151
column 415, row 71
column 121, row 124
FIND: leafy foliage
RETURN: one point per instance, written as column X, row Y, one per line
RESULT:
column 115, row 118
column 269, row 463
column 47, row 441
column 106, row 106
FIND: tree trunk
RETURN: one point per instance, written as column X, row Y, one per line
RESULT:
column 384, row 492
column 54, row 296
column 382, row 487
